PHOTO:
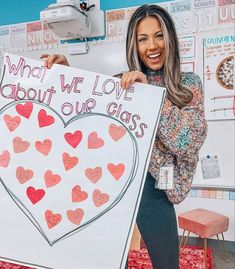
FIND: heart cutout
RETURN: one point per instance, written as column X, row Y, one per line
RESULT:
column 25, row 109
column 35, row 195
column 94, row 174
column 69, row 161
column 12, row 122
column 78, row 195
column 99, row 198
column 94, row 142
column 116, row 132
column 75, row 216
column 51, row 179
column 116, row 170
column 44, row 146
column 52, row 219
column 20, row 145
column 5, row 158
column 73, row 139
column 23, row 175
column 44, row 120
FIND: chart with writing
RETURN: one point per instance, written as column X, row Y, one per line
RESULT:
column 219, row 52
column 74, row 153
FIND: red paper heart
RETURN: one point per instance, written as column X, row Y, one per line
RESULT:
column 73, row 139
column 23, row 175
column 19, row 145
column 12, row 122
column 116, row 170
column 75, row 216
column 52, row 219
column 25, row 110
column 43, row 147
column 35, row 195
column 94, row 174
column 44, row 119
column 51, row 179
column 99, row 198
column 94, row 141
column 5, row 158
column 78, row 195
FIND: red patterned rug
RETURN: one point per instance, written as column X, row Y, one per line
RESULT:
column 191, row 257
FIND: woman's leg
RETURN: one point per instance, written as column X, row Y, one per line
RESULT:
column 157, row 224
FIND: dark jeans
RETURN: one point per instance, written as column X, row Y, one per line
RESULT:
column 156, row 221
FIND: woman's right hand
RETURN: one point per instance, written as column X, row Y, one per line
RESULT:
column 50, row 59
column 129, row 78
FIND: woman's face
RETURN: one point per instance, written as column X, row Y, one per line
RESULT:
column 150, row 43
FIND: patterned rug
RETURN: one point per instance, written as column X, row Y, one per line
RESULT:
column 191, row 257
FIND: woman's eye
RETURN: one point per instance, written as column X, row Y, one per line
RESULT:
column 142, row 39
column 159, row 36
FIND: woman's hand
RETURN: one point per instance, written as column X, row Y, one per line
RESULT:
column 51, row 59
column 129, row 78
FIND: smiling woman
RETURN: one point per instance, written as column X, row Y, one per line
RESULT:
column 152, row 55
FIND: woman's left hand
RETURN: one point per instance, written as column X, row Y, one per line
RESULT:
column 129, row 78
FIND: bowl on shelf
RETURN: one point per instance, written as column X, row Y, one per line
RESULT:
column 225, row 73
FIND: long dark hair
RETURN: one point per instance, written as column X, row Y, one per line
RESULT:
column 176, row 92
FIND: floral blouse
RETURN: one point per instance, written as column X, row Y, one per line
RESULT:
column 180, row 135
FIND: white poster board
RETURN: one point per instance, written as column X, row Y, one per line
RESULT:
column 74, row 154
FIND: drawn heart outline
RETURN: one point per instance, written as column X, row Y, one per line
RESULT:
column 131, row 174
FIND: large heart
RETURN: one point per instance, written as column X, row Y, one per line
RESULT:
column 64, row 175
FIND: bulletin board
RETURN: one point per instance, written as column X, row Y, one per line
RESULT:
column 207, row 39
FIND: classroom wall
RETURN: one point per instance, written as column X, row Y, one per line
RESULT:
column 109, row 58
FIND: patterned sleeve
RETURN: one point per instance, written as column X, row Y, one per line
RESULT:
column 183, row 131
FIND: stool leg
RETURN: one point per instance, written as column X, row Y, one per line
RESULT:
column 185, row 241
column 182, row 239
column 222, row 248
column 205, row 252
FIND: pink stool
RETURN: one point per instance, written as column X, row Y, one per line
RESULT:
column 205, row 224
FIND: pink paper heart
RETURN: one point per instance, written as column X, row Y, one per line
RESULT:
column 94, row 174
column 116, row 170
column 35, row 195
column 5, row 158
column 11, row 122
column 116, row 132
column 94, row 141
column 51, row 179
column 52, row 219
column 75, row 216
column 19, row 145
column 25, row 110
column 23, row 175
column 43, row 147
column 44, row 119
column 69, row 161
column 73, row 139
column 78, row 195
column 99, row 198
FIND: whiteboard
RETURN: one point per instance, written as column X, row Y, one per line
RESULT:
column 109, row 58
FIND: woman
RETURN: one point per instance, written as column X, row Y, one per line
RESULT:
column 152, row 54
